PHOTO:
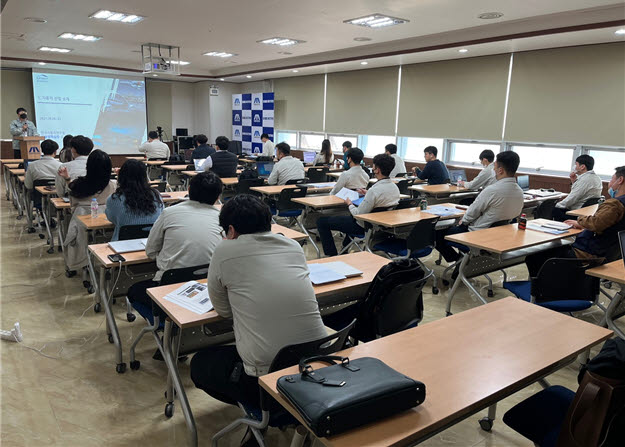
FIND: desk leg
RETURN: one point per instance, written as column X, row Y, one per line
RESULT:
column 5, row 174
column 16, row 197
column 45, row 207
column 111, row 324
column 175, row 378
column 300, row 221
column 608, row 318
column 463, row 279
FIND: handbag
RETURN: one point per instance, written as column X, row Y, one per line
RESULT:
column 349, row 394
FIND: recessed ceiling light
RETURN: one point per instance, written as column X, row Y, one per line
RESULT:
column 35, row 20
column 362, row 39
column 295, row 71
column 281, row 41
column 375, row 21
column 248, row 77
column 41, row 63
column 219, row 54
column 84, row 37
column 490, row 15
column 221, row 79
column 113, row 16
column 364, row 63
column 55, row 50
column 620, row 32
column 463, row 50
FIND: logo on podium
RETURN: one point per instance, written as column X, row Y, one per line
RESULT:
column 33, row 150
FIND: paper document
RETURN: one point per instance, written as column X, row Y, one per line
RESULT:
column 345, row 193
column 320, row 185
column 548, row 226
column 320, row 274
column 443, row 211
column 128, row 245
column 343, row 269
column 192, row 296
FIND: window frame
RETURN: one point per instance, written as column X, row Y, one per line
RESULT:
column 276, row 132
column 551, row 172
column 342, row 135
column 402, row 143
column 361, row 139
column 475, row 164
column 301, row 133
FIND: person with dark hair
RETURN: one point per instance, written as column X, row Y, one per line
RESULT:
column 154, row 147
column 585, row 184
column 287, row 168
column 435, row 171
column 223, row 163
column 383, row 194
column 268, row 146
column 400, row 166
column 134, row 202
column 65, row 155
column 355, row 178
column 184, row 235
column 202, row 149
column 46, row 167
column 486, row 176
column 502, row 200
column 325, row 157
column 347, row 145
column 268, row 314
column 81, row 147
column 21, row 127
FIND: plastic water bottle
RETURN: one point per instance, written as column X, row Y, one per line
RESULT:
column 94, row 208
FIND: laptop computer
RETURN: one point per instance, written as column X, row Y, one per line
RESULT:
column 264, row 168
column 199, row 163
column 457, row 175
column 309, row 157
column 523, row 181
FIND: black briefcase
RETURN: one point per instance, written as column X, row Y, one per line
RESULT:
column 352, row 393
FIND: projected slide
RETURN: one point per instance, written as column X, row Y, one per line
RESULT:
column 109, row 110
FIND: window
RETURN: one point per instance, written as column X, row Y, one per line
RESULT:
column 606, row 160
column 411, row 149
column 310, row 140
column 336, row 141
column 461, row 152
column 287, row 137
column 545, row 158
column 373, row 145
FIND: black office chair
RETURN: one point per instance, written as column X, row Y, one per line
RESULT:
column 317, row 175
column 299, row 181
column 403, row 186
column 244, row 185
column 359, row 240
column 270, row 412
column 401, row 174
column 160, row 186
column 37, row 203
column 593, row 201
column 544, row 210
column 407, row 203
column 286, row 208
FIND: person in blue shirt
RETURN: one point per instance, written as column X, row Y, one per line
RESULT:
column 202, row 149
column 347, row 145
column 435, row 171
column 134, row 202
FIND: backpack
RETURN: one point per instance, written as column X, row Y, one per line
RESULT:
column 248, row 174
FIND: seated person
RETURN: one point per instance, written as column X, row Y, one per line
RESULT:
column 134, row 202
column 45, row 168
column 287, row 168
column 185, row 235
column 486, row 177
column 325, row 156
column 202, row 149
column 154, row 148
column 268, row 311
column 355, row 178
column 600, row 236
column 222, row 162
column 81, row 147
column 384, row 193
column 502, row 200
column 585, row 184
column 400, row 166
column 268, row 146
column 347, row 145
column 66, row 153
column 435, row 171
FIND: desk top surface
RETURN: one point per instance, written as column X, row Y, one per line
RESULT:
column 586, row 211
column 438, row 189
column 154, row 162
column 11, row 160
column 21, row 178
column 612, row 271
column 99, row 223
column 174, row 196
column 277, row 189
column 60, row 204
column 44, row 191
column 175, row 167
column 320, row 201
column 17, row 171
column 507, row 238
column 407, row 216
column 471, row 373
column 12, row 165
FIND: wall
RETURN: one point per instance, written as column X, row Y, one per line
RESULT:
column 183, row 106
column 16, row 91
column 158, row 99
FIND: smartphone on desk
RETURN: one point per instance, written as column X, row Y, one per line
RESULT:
column 49, row 188
column 116, row 258
column 66, row 199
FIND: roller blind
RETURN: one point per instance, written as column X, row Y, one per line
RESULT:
column 454, row 99
column 362, row 102
column 568, row 95
column 299, row 103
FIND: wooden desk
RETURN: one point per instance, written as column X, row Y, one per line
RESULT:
column 227, row 181
column 288, row 232
column 438, row 191
column 503, row 247
column 471, row 374
column 320, row 202
column 174, row 197
column 17, row 171
column 583, row 212
column 367, row 262
column 155, row 162
column 140, row 158
column 404, row 217
column 615, row 272
column 99, row 223
column 275, row 190
column 173, row 167
column 12, row 166
column 60, row 204
column 11, row 160
column 44, row 191
column 21, row 178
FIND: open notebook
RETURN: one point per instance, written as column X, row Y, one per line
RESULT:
column 128, row 245
column 331, row 271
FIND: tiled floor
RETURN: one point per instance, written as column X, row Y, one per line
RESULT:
column 60, row 388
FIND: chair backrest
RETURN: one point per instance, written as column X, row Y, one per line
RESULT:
column 317, row 175
column 190, row 167
column 401, row 174
column 592, row 201
column 403, row 186
column 407, row 203
column 284, row 199
column 127, row 232
column 160, row 186
column 500, row 223
column 244, row 185
column 565, row 279
column 298, row 181
column 422, row 235
column 544, row 210
column 184, row 274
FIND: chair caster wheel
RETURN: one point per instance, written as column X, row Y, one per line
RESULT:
column 131, row 317
column 135, row 364
column 70, row 273
column 114, row 300
column 445, row 282
column 448, row 314
column 50, row 250
column 169, row 410
column 486, row 424
column 120, row 368
column 490, row 294
column 41, row 236
column 437, row 262
column 435, row 290
column 30, row 230
column 90, row 290
column 111, row 338
column 86, row 284
column 97, row 307
column 20, row 218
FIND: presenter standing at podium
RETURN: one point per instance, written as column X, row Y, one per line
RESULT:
column 21, row 127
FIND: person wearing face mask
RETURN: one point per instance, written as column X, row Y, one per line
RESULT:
column 585, row 184
column 486, row 177
column 21, row 127
column 287, row 168
column 600, row 236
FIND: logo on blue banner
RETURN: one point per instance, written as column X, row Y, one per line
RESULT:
column 237, row 133
column 237, row 117
column 257, row 134
column 257, row 100
column 237, row 102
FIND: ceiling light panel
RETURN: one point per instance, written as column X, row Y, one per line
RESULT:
column 83, row 37
column 620, row 32
column 219, row 54
column 114, row 16
column 55, row 50
column 179, row 62
column 280, row 41
column 376, row 21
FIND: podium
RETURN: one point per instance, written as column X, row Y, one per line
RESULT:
column 30, row 147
